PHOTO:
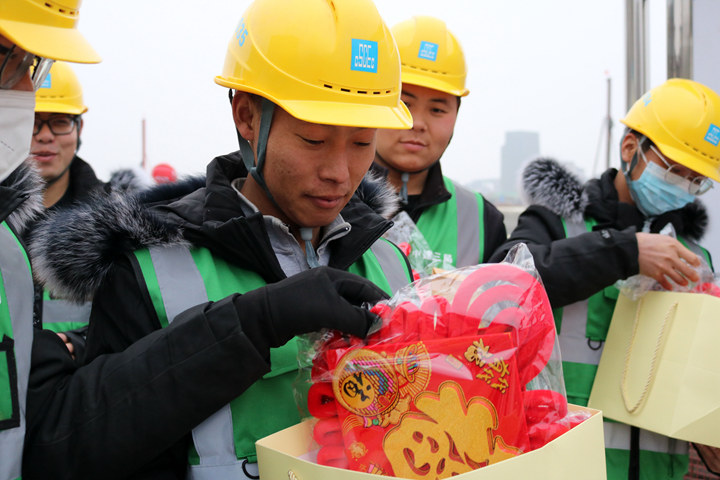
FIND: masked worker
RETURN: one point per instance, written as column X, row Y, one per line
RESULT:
column 586, row 237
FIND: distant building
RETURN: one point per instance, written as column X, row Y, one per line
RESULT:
column 519, row 148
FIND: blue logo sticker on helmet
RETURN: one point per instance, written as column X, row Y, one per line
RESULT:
column 713, row 135
column 428, row 51
column 241, row 32
column 47, row 83
column 364, row 55
column 647, row 99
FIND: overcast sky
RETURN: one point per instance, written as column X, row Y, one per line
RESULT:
column 533, row 65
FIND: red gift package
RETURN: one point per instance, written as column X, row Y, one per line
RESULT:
column 456, row 378
column 444, row 405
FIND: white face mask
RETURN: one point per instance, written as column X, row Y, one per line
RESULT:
column 17, row 117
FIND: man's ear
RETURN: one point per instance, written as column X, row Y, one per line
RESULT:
column 245, row 115
column 628, row 147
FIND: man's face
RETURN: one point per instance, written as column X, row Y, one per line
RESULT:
column 434, row 114
column 53, row 153
column 12, row 61
column 312, row 170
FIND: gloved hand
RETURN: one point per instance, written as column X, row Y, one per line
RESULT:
column 319, row 298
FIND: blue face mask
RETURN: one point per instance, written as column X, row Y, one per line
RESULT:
column 653, row 195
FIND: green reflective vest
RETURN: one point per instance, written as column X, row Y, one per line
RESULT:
column 16, row 319
column 178, row 278
column 455, row 230
column 62, row 315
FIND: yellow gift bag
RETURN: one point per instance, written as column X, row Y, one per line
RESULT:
column 660, row 367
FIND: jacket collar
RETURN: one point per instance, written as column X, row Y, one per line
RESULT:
column 433, row 193
column 83, row 182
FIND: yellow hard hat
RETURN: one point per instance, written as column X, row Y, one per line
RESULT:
column 431, row 56
column 333, row 63
column 60, row 92
column 682, row 118
column 46, row 29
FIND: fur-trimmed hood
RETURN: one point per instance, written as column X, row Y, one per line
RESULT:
column 549, row 184
column 74, row 249
column 22, row 193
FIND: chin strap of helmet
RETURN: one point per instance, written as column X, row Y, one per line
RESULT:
column 404, row 176
column 267, row 110
column 310, row 255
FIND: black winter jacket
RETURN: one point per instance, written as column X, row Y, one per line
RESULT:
column 177, row 385
column 573, row 269
column 435, row 193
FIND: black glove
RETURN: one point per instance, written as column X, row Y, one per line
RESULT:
column 319, row 298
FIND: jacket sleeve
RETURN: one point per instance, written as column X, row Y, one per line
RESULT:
column 126, row 411
column 573, row 269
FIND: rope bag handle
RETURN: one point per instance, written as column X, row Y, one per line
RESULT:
column 653, row 364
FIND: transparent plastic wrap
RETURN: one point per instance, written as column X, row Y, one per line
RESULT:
column 638, row 285
column 411, row 241
column 464, row 372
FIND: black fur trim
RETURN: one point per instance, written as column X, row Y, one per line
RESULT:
column 377, row 193
column 27, row 180
column 73, row 249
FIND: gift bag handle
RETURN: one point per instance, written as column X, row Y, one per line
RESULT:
column 653, row 363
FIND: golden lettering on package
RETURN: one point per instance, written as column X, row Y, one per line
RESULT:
column 495, row 370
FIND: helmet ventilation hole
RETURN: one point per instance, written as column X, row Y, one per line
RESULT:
column 360, row 92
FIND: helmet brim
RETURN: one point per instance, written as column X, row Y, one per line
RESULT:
column 349, row 114
column 52, row 107
column 345, row 114
column 57, row 43
column 435, row 84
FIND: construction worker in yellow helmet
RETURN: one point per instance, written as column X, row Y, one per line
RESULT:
column 283, row 238
column 644, row 219
column 56, row 138
column 453, row 226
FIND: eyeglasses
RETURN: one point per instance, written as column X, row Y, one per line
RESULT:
column 693, row 183
column 15, row 65
column 59, row 125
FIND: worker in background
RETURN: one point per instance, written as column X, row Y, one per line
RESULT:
column 460, row 227
column 59, row 108
column 584, row 238
column 68, row 179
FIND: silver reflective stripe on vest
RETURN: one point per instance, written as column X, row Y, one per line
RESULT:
column 468, row 225
column 61, row 311
column 388, row 257
column 18, row 285
column 182, row 287
column 574, row 345
column 617, row 436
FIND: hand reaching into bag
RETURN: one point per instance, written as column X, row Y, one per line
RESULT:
column 662, row 257
column 319, row 298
